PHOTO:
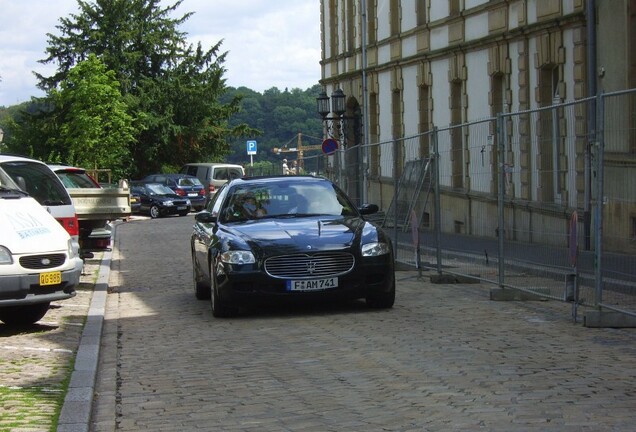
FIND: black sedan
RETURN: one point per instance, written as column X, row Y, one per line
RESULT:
column 183, row 185
column 135, row 200
column 285, row 238
column 158, row 200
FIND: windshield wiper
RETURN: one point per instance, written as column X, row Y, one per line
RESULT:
column 13, row 190
column 53, row 202
column 290, row 215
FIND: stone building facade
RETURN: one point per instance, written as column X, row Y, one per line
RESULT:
column 410, row 65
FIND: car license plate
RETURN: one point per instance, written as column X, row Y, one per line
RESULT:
column 181, row 208
column 312, row 285
column 51, row 278
column 193, row 194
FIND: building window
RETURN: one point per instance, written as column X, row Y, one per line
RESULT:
column 374, row 156
column 351, row 37
column 424, row 108
column 457, row 153
column 396, row 109
column 371, row 21
column 333, row 27
column 454, row 7
column 498, row 103
column 394, row 14
column 420, row 11
column 426, row 220
column 548, row 134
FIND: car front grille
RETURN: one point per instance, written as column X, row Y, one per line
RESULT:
column 309, row 266
column 38, row 262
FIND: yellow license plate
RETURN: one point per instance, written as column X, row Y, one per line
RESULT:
column 51, row 278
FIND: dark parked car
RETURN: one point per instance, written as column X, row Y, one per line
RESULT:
column 135, row 201
column 184, row 185
column 288, row 237
column 158, row 200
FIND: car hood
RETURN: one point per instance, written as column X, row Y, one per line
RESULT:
column 301, row 234
column 27, row 228
column 168, row 197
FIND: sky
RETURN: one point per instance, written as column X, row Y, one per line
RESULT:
column 270, row 43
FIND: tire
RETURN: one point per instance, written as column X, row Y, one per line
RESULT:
column 154, row 212
column 382, row 300
column 23, row 315
column 220, row 309
column 201, row 290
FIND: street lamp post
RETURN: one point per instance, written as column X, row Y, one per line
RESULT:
column 334, row 125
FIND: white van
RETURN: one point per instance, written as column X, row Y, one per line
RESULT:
column 39, row 181
column 39, row 262
column 213, row 175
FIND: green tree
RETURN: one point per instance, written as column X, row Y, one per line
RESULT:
column 172, row 88
column 95, row 128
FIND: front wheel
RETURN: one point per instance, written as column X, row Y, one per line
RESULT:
column 220, row 309
column 382, row 300
column 154, row 212
column 23, row 315
column 201, row 290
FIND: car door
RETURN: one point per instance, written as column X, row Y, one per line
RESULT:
column 203, row 233
column 144, row 199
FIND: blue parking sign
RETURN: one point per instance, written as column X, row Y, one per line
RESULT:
column 251, row 147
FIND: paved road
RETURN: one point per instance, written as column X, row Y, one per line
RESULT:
column 445, row 358
column 35, row 361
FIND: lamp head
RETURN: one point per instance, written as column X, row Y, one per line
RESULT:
column 322, row 104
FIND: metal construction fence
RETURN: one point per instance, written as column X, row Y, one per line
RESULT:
column 542, row 201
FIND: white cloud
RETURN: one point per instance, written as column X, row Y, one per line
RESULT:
column 269, row 43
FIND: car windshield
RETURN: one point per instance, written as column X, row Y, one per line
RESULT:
column 189, row 181
column 39, row 182
column 76, row 179
column 159, row 189
column 282, row 200
column 6, row 184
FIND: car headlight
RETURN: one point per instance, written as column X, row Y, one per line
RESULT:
column 72, row 249
column 5, row 256
column 238, row 257
column 375, row 249
column 168, row 203
column 188, row 202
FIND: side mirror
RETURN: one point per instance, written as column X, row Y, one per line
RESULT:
column 205, row 217
column 21, row 183
column 367, row 209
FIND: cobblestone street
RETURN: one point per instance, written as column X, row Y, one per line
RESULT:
column 444, row 358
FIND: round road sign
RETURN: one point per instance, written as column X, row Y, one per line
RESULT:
column 329, row 146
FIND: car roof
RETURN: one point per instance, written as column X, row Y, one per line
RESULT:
column 173, row 175
column 13, row 158
column 279, row 179
column 55, row 167
column 213, row 164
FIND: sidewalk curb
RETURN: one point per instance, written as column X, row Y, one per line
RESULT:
column 75, row 415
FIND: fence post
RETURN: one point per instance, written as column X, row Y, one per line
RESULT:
column 501, row 166
column 598, row 219
column 396, row 190
column 438, row 211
